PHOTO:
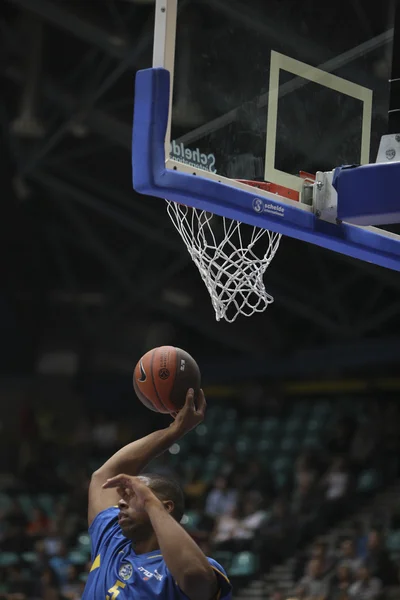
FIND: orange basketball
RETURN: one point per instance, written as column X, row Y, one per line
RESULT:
column 163, row 376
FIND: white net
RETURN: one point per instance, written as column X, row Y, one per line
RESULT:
column 232, row 258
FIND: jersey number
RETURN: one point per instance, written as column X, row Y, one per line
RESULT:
column 114, row 591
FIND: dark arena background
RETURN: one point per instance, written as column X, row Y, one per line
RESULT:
column 292, row 481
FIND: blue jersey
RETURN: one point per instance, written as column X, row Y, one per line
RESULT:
column 118, row 572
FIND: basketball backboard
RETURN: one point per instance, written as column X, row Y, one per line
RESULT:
column 282, row 92
column 264, row 90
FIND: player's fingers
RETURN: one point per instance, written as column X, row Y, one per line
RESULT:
column 201, row 403
column 190, row 399
column 117, row 481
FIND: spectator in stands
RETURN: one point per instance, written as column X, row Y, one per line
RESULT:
column 225, row 527
column 60, row 563
column 377, row 559
column 336, row 484
column 38, row 523
column 47, row 588
column 341, row 437
column 277, row 595
column 341, row 582
column 277, row 536
column 319, row 551
column 363, row 445
column 221, row 499
column 72, row 588
column 195, row 486
column 314, row 585
column 348, row 556
column 365, row 587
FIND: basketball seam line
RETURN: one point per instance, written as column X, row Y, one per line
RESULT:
column 154, row 383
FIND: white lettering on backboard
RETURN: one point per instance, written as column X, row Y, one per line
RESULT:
column 261, row 206
column 194, row 158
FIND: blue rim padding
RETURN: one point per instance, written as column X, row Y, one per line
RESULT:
column 150, row 177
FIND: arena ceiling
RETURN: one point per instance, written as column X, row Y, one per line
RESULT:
column 90, row 266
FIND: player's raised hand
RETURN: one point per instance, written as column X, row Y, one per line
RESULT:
column 134, row 490
column 190, row 415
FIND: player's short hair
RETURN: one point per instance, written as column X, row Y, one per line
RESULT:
column 168, row 489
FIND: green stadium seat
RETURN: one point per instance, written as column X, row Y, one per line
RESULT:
column 230, row 414
column 244, row 564
column 5, row 501
column 289, row 444
column 46, row 503
column 244, row 445
column 218, row 446
column 78, row 557
column 267, row 446
column 223, row 558
column 190, row 519
column 282, row 479
column 368, row 481
column 29, row 557
column 7, row 559
column 26, row 503
column 393, row 541
column 269, row 425
column 312, row 440
column 250, row 426
column 84, row 541
column 315, row 424
column 282, row 463
column 293, row 425
column 227, row 429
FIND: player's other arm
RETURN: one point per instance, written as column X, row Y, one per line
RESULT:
column 132, row 459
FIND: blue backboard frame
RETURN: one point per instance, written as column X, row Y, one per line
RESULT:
column 155, row 174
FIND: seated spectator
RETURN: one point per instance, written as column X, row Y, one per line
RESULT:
column 195, row 486
column 314, row 585
column 378, row 561
column 339, row 441
column 319, row 551
column 363, row 445
column 277, row 536
column 46, row 587
column 348, row 556
column 60, row 563
column 71, row 589
column 366, row 587
column 221, row 499
column 38, row 523
column 255, row 478
column 52, row 542
column 336, row 480
column 236, row 530
column 341, row 582
column 305, row 473
column 226, row 526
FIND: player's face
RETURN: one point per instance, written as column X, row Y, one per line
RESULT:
column 135, row 524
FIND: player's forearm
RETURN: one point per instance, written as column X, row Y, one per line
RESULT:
column 131, row 459
column 184, row 559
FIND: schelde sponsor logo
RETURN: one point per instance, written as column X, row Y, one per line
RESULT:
column 262, row 206
column 194, row 158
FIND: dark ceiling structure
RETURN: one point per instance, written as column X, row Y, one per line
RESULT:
column 92, row 269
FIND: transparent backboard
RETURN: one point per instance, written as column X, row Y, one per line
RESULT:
column 265, row 89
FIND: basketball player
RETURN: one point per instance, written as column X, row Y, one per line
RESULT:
column 139, row 549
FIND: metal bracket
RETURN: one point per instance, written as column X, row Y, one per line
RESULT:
column 389, row 148
column 325, row 199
